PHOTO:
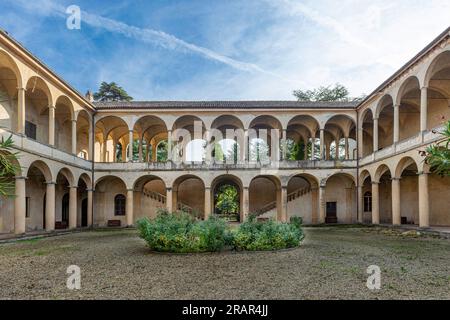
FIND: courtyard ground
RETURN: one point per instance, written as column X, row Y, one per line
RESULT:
column 331, row 264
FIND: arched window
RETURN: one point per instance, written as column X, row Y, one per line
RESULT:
column 368, row 202
column 120, row 203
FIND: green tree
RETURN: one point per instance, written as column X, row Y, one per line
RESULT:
column 227, row 200
column 438, row 156
column 338, row 92
column 109, row 92
column 162, row 151
column 8, row 167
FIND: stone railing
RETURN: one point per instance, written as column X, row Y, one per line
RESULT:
column 171, row 166
column 22, row 143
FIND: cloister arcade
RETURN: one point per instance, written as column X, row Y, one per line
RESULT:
column 86, row 164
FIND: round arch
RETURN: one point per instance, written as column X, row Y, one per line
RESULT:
column 403, row 164
column 43, row 168
column 8, row 62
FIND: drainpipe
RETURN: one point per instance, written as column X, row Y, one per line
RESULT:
column 357, row 166
column 93, row 167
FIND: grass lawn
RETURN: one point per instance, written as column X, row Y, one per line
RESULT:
column 331, row 264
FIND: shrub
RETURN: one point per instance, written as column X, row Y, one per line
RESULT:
column 270, row 235
column 182, row 233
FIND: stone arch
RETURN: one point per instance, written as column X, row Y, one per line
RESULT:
column 440, row 62
column 339, row 197
column 403, row 164
column 107, row 189
column 228, row 179
column 44, row 168
column 385, row 115
column 302, row 197
column 188, row 193
column 84, row 131
column 86, row 179
column 380, row 171
column 38, row 99
column 150, row 196
column 10, row 81
column 110, row 132
column 366, row 127
column 67, row 173
column 6, row 60
column 265, row 196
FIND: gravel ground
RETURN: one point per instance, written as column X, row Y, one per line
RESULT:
column 331, row 264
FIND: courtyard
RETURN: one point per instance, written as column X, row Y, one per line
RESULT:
column 331, row 264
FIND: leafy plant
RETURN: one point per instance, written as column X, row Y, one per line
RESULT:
column 8, row 167
column 438, row 156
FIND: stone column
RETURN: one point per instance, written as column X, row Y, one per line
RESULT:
column 327, row 152
column 360, row 204
column 322, row 144
column 375, row 203
column 169, row 199
column 305, row 150
column 169, row 146
column 423, row 109
column 396, row 123
column 337, row 149
column 140, row 150
column 208, row 207
column 20, row 206
column 91, row 144
column 21, row 110
column 322, row 205
column 104, row 149
column 284, row 145
column 396, row 212
column 74, row 137
column 130, row 206
column 73, row 207
column 282, row 209
column 424, row 205
column 245, row 204
column 90, row 209
column 375, row 134
column 114, row 158
column 360, row 143
column 347, row 149
column 51, row 125
column 50, row 207
column 130, row 146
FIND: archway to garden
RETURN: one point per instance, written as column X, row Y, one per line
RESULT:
column 227, row 193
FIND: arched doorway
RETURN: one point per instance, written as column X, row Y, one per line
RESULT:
column 226, row 195
column 150, row 196
column 302, row 200
column 188, row 194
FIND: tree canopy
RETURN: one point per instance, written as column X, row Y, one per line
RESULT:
column 110, row 92
column 8, row 168
column 338, row 92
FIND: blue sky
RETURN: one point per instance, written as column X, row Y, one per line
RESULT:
column 226, row 50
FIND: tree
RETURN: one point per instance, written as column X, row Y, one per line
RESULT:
column 329, row 93
column 227, row 200
column 111, row 92
column 8, row 167
column 438, row 156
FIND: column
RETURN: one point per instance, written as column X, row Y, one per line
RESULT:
column 396, row 213
column 375, row 134
column 90, row 208
column 360, row 204
column 50, row 207
column 424, row 205
column 337, row 149
column 73, row 207
column 208, row 206
column 51, row 125
column 21, row 110
column 169, row 146
column 140, row 150
column 74, row 137
column 245, row 204
column 347, row 149
column 169, row 199
column 130, row 213
column 322, row 144
column 322, row 205
column 20, row 206
column 375, row 202
column 284, row 145
column 315, row 205
column 306, row 150
column 327, row 151
column 104, row 145
column 423, row 109
column 282, row 205
column 313, row 147
column 114, row 157
column 360, row 143
column 91, row 138
column 130, row 146
column 396, row 123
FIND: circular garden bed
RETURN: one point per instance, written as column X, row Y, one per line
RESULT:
column 181, row 233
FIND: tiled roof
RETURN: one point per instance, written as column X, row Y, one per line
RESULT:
column 224, row 105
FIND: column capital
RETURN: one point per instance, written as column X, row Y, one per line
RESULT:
column 51, row 107
column 424, row 88
column 375, row 182
column 50, row 183
column 74, row 120
column 73, row 187
column 128, row 190
column 90, row 190
column 397, row 105
column 169, row 189
column 21, row 178
column 396, row 179
column 21, row 89
column 423, row 173
column 375, row 119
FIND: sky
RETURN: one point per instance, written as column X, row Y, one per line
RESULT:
column 226, row 49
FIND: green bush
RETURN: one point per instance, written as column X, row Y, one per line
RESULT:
column 181, row 233
column 270, row 235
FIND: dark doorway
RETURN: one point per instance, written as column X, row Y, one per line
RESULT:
column 331, row 212
column 65, row 209
column 84, row 213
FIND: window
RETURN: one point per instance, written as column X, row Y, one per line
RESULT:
column 27, row 207
column 119, row 205
column 30, row 130
column 368, row 202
